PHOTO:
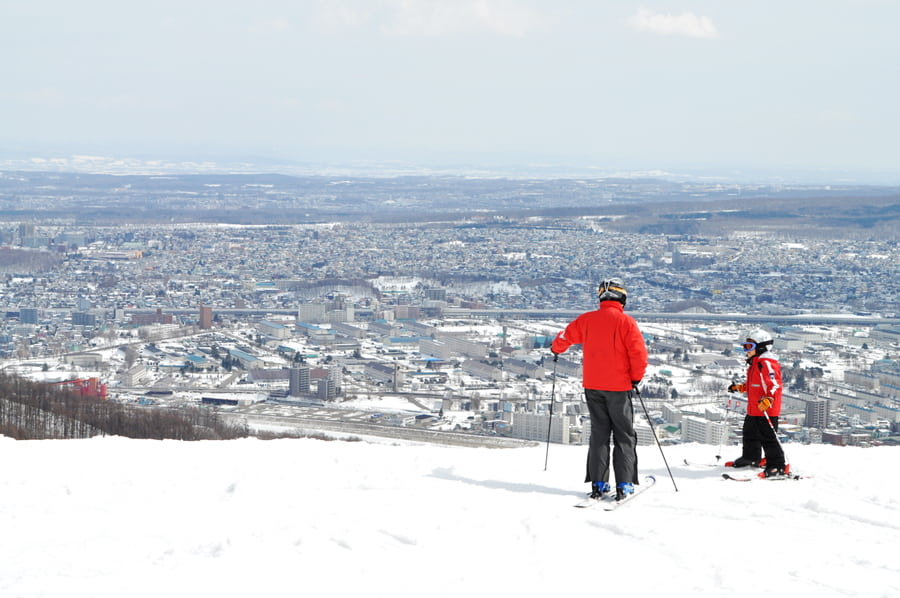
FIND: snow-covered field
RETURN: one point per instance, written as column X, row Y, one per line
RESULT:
column 111, row 517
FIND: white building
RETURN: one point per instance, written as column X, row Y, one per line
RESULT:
column 533, row 426
column 703, row 431
column 273, row 329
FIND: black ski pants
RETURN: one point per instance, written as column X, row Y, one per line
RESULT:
column 759, row 438
column 611, row 413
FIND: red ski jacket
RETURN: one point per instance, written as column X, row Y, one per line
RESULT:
column 615, row 355
column 763, row 380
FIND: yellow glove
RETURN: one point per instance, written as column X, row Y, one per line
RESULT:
column 764, row 403
column 736, row 387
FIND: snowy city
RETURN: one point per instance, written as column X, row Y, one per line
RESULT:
column 429, row 298
column 288, row 328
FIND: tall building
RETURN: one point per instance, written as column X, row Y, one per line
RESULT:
column 299, row 381
column 326, row 390
column 82, row 318
column 336, row 375
column 817, row 413
column 28, row 315
column 26, row 229
column 436, row 294
column 205, row 317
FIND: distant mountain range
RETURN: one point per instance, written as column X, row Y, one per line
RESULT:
column 650, row 205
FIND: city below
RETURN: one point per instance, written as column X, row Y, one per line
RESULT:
column 423, row 307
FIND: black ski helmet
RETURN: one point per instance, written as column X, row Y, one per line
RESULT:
column 612, row 289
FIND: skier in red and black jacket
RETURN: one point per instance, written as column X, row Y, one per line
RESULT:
column 763, row 390
column 614, row 361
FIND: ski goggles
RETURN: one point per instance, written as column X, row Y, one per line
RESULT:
column 749, row 346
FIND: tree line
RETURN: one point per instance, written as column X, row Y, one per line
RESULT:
column 36, row 411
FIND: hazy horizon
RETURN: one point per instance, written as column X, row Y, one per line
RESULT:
column 694, row 88
column 179, row 161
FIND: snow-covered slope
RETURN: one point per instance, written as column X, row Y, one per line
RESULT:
column 112, row 517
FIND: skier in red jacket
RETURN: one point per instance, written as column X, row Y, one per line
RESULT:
column 763, row 390
column 614, row 361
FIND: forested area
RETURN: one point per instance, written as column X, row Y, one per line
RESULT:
column 35, row 411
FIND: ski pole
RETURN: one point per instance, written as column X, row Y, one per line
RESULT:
column 769, row 420
column 775, row 434
column 550, row 419
column 652, row 429
column 724, row 430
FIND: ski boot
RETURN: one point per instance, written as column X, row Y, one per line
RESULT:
column 623, row 489
column 598, row 489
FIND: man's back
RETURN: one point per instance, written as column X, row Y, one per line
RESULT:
column 614, row 351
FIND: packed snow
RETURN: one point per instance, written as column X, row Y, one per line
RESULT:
column 112, row 517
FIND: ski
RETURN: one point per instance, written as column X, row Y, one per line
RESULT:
column 645, row 485
column 790, row 476
column 692, row 464
column 724, row 465
column 738, row 479
column 608, row 501
column 590, row 503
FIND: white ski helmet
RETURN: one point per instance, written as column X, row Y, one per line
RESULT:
column 760, row 336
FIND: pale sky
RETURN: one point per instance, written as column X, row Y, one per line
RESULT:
column 759, row 85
